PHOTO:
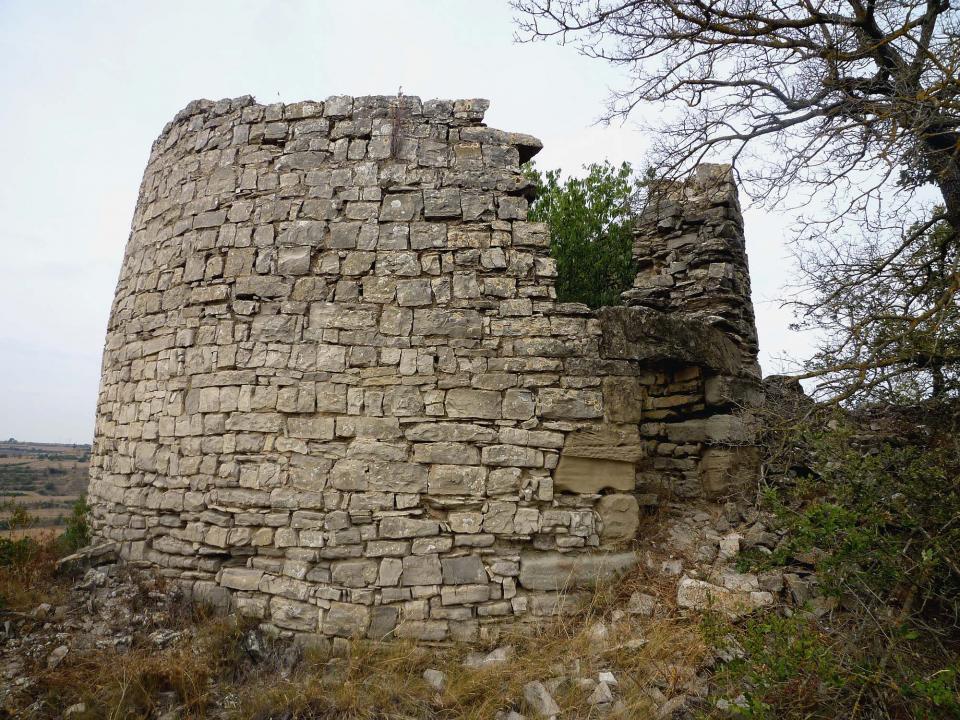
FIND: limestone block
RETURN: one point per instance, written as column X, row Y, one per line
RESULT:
column 452, row 323
column 512, row 456
column 448, row 453
column 591, row 475
column 463, row 570
column 344, row 317
column 368, row 427
column 389, row 572
column 734, row 429
column 414, row 293
column 294, row 615
column 464, row 595
column 606, row 441
column 425, row 630
column 726, row 389
column 344, row 235
column 504, row 481
column 557, row 403
column 623, row 399
column 383, row 621
column 400, row 207
column 354, row 573
column 294, row 261
column 620, row 517
column 330, row 397
column 526, row 521
column 402, row 401
column 456, row 480
column 465, row 522
column 421, row 570
column 424, row 235
column 450, row 432
column 701, row 595
column 237, row 578
column 311, row 427
column 498, row 518
column 519, row 404
column 470, row 403
column 562, row 571
column 406, row 527
column 395, row 321
column 443, row 203
column 255, row 422
column 345, row 620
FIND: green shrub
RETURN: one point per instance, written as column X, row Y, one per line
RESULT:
column 879, row 519
column 591, row 220
column 77, row 533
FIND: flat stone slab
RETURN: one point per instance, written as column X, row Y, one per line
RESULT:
column 563, row 571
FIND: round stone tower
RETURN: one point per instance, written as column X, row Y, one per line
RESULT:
column 338, row 392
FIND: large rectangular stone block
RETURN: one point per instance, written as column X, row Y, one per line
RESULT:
column 565, row 404
column 591, row 475
column 564, row 571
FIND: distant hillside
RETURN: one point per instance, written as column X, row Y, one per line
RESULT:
column 44, row 478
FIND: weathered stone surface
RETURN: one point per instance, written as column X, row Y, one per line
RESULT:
column 701, row 595
column 591, row 475
column 463, row 570
column 637, row 333
column 422, row 570
column 404, row 527
column 338, row 391
column 727, row 471
column 468, row 403
column 346, row 620
column 560, row 571
column 539, row 700
column 294, row 615
column 606, row 442
column 456, row 480
column 734, row 429
column 577, row 404
column 620, row 517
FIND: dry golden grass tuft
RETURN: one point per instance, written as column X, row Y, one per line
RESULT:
column 27, row 575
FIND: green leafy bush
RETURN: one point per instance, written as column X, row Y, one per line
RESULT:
column 590, row 221
column 77, row 533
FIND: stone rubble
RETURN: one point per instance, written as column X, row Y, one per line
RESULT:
column 118, row 607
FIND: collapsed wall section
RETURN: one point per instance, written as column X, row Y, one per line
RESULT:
column 339, row 394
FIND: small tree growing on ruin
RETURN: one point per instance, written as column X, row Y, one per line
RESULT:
column 591, row 228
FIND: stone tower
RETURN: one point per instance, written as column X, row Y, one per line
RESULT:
column 339, row 394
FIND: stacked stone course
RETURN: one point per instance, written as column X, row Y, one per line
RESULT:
column 339, row 393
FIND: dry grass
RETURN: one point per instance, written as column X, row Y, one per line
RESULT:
column 29, row 579
column 210, row 674
column 381, row 680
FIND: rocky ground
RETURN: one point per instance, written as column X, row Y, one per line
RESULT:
column 120, row 642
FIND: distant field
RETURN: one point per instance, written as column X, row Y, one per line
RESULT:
column 43, row 478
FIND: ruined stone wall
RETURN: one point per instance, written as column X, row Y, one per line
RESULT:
column 692, row 258
column 338, row 392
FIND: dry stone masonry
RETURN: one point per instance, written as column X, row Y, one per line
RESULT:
column 339, row 393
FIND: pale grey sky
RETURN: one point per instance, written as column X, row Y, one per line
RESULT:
column 88, row 85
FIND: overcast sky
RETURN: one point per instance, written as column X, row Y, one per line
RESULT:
column 88, row 85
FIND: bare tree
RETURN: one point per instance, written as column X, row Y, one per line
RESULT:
column 896, row 336
column 854, row 102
